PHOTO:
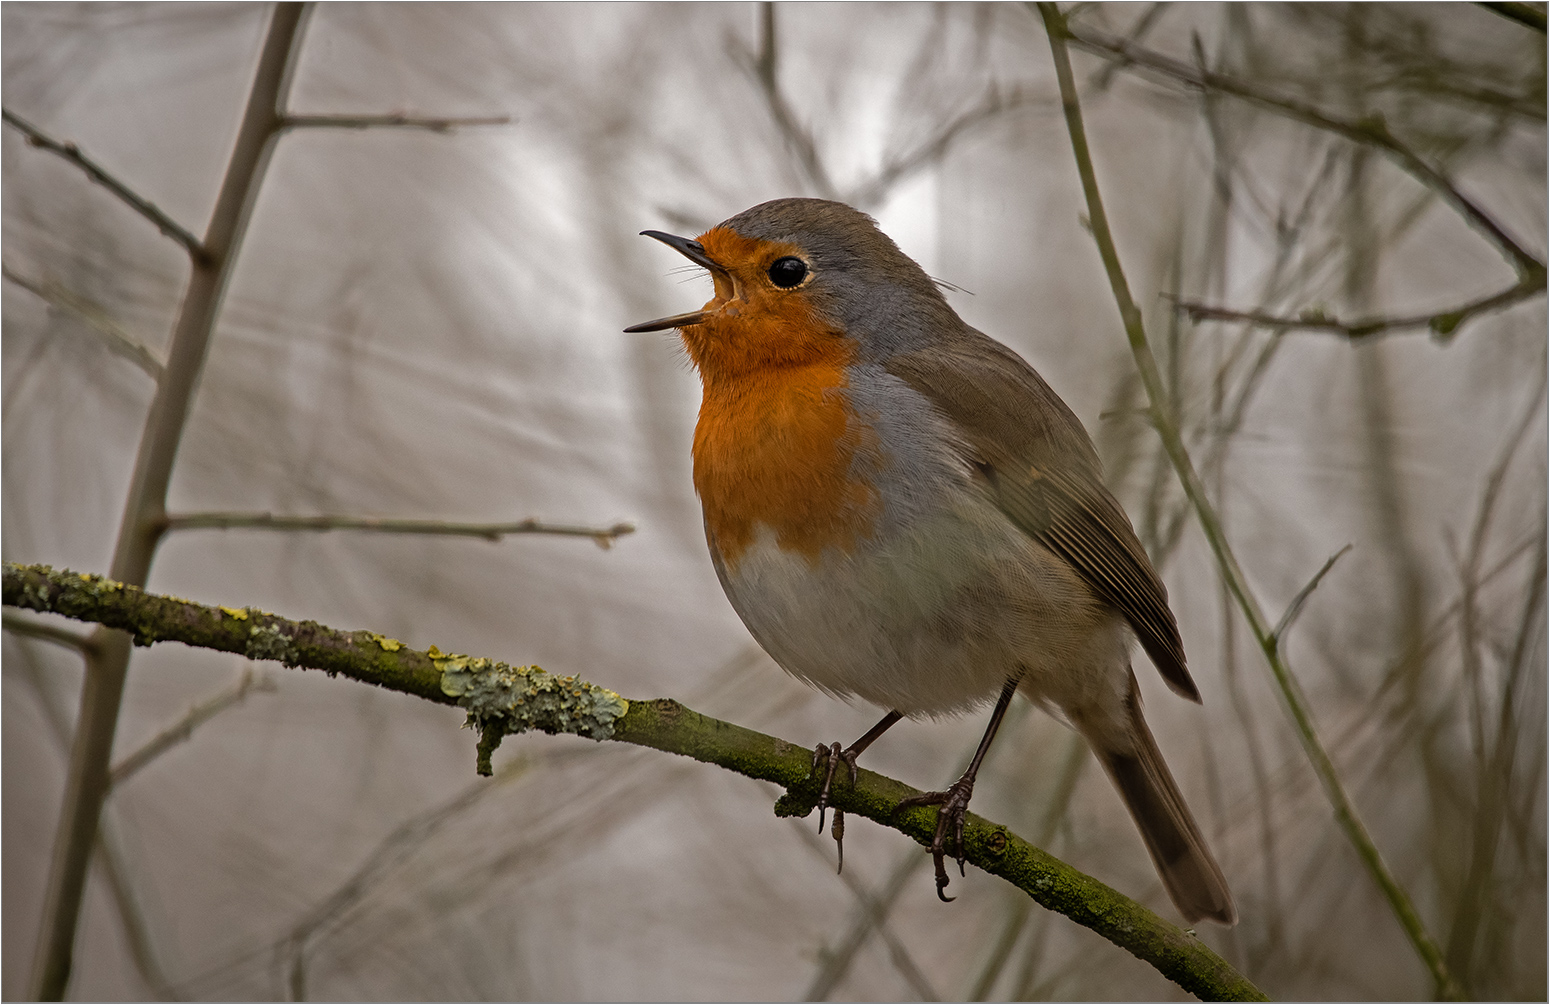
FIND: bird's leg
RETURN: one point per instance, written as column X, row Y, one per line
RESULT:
column 953, row 803
column 834, row 755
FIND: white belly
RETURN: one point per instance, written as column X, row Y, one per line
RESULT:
column 935, row 618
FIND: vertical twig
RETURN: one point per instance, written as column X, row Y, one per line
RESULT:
column 87, row 781
column 1151, row 378
column 110, row 857
column 1017, row 918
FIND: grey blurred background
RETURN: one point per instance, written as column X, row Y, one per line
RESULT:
column 428, row 325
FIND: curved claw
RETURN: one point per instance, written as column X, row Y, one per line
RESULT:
column 941, row 883
column 952, row 809
column 834, row 756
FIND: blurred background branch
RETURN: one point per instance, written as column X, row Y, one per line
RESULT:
column 1531, row 14
column 603, row 536
column 434, row 125
column 1232, row 574
column 118, row 340
column 1372, row 131
column 1443, row 324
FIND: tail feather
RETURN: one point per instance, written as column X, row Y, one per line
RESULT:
column 1193, row 879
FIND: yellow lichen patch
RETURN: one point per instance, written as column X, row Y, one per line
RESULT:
column 236, row 613
column 387, row 644
column 435, row 653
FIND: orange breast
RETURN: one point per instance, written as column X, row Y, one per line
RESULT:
column 775, row 446
column 776, row 442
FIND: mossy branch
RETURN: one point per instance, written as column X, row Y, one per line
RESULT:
column 501, row 700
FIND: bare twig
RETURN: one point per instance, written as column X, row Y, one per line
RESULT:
column 1372, row 131
column 604, row 536
column 1151, row 378
column 72, row 153
column 568, row 704
column 87, row 780
column 1469, row 572
column 1294, row 609
column 765, row 68
column 902, row 166
column 1495, row 783
column 109, row 856
column 28, row 628
column 872, row 910
column 1530, row 14
column 1054, row 813
column 390, row 853
column 118, row 340
column 184, row 728
column 435, row 125
column 1443, row 324
column 1138, row 32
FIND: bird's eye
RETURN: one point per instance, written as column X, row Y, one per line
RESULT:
column 788, row 272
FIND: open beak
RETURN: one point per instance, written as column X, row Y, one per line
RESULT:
column 694, row 252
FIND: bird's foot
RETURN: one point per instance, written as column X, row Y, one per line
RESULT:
column 952, row 807
column 832, row 757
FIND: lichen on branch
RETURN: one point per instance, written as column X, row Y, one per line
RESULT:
column 501, row 699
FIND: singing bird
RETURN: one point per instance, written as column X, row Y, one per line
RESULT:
column 902, row 511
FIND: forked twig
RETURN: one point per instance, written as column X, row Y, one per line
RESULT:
column 72, row 153
column 1443, row 324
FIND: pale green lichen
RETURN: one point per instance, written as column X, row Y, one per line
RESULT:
column 502, row 699
column 266, row 642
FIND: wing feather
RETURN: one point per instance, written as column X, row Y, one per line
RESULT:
column 1042, row 471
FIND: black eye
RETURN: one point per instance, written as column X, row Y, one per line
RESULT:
column 788, row 272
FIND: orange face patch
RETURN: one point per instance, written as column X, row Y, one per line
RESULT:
column 776, row 440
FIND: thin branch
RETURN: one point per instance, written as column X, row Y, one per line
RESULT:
column 109, row 855
column 502, row 699
column 604, row 536
column 107, row 667
column 765, row 68
column 118, row 340
column 391, row 852
column 1443, row 324
column 897, row 168
column 1151, row 378
column 435, row 125
column 871, row 915
column 28, row 628
column 184, row 728
column 1001, row 950
column 1294, row 609
column 1370, row 130
column 1529, row 14
column 72, row 153
column 1138, row 32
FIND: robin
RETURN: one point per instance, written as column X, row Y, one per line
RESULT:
column 901, row 510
